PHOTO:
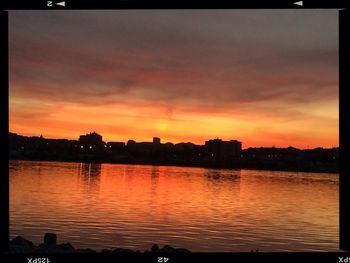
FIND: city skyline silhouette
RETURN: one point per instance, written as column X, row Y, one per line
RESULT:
column 91, row 148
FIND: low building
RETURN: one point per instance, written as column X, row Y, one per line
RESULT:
column 223, row 150
column 116, row 146
column 156, row 140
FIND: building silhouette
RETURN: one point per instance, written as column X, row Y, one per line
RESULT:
column 217, row 153
column 115, row 146
column 221, row 150
column 91, row 142
column 156, row 140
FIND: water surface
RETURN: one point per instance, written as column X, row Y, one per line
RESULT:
column 135, row 206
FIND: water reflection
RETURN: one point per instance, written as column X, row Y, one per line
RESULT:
column 90, row 174
column 134, row 206
column 155, row 174
column 222, row 175
column 154, row 179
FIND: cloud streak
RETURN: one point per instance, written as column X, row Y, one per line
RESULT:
column 240, row 65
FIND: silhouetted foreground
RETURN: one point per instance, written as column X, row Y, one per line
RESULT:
column 214, row 153
column 21, row 245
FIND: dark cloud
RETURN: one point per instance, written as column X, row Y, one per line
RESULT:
column 218, row 60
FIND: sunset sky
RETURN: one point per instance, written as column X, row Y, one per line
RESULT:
column 264, row 77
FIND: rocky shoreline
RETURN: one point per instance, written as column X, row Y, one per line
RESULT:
column 49, row 245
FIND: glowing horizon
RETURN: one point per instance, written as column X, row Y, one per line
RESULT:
column 261, row 77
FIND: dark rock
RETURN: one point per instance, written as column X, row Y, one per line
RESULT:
column 66, row 246
column 50, row 239
column 21, row 245
column 20, row 241
column 182, row 250
column 167, row 249
column 154, row 248
column 122, row 250
column 85, row 250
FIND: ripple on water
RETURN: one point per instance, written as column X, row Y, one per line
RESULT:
column 200, row 209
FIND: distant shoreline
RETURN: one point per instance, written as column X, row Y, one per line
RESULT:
column 215, row 153
column 232, row 167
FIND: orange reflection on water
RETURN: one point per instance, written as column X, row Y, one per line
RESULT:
column 134, row 206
